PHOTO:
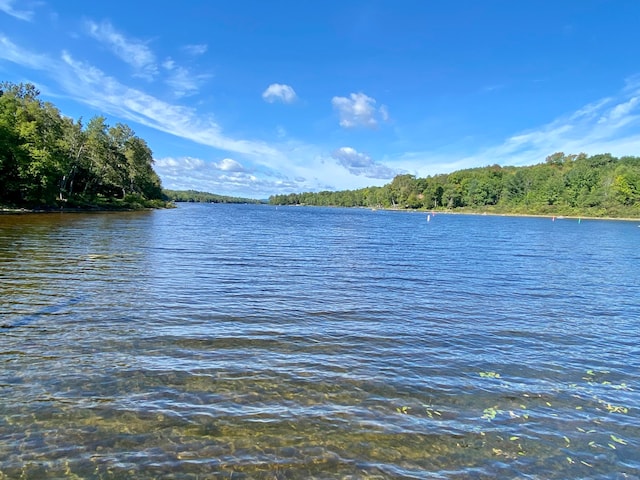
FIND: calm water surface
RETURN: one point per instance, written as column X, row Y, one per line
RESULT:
column 243, row 341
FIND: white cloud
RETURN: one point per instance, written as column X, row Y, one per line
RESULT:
column 13, row 53
column 7, row 6
column 384, row 113
column 185, row 83
column 181, row 80
column 621, row 111
column 590, row 111
column 616, row 119
column 238, row 178
column 188, row 173
column 610, row 125
column 279, row 92
column 361, row 164
column 359, row 110
column 181, row 164
column 91, row 86
column 133, row 52
column 195, row 50
column 229, row 165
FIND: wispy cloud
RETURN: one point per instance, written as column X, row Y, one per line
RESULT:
column 362, row 164
column 15, row 54
column 131, row 51
column 8, row 7
column 277, row 92
column 195, row 50
column 142, row 59
column 621, row 112
column 384, row 113
column 90, row 85
column 359, row 110
column 181, row 80
column 604, row 126
column 609, row 125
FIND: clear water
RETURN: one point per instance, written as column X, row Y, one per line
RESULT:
column 243, row 341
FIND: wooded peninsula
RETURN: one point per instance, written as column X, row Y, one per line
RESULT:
column 572, row 185
column 50, row 161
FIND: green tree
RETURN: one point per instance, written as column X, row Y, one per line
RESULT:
column 626, row 185
column 46, row 158
column 563, row 184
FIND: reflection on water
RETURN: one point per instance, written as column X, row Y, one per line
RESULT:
column 241, row 341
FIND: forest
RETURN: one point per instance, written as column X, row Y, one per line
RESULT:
column 576, row 184
column 203, row 197
column 51, row 161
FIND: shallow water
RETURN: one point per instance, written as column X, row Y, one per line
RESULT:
column 243, row 341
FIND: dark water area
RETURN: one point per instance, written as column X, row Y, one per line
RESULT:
column 249, row 341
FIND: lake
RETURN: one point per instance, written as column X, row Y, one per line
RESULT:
column 252, row 341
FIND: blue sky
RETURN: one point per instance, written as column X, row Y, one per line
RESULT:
column 253, row 98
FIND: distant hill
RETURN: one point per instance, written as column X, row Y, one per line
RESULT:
column 203, row 197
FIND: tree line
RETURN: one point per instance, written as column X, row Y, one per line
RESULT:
column 203, row 197
column 597, row 185
column 49, row 160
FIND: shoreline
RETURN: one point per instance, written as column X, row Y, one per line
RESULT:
column 537, row 215
column 38, row 211
column 4, row 210
column 127, row 204
column 495, row 214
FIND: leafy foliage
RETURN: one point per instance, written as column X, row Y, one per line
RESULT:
column 47, row 160
column 598, row 185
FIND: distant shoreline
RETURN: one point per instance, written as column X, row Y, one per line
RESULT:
column 557, row 217
column 4, row 210
column 534, row 215
column 494, row 214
